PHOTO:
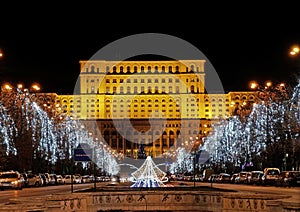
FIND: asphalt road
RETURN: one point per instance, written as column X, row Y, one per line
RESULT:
column 8, row 194
column 292, row 192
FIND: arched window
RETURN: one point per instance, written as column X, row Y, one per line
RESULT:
column 192, row 67
column 93, row 69
column 193, row 89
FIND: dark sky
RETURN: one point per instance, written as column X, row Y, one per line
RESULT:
column 45, row 43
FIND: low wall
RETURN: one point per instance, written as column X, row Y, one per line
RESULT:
column 148, row 200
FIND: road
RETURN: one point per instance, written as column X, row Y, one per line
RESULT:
column 293, row 192
column 8, row 194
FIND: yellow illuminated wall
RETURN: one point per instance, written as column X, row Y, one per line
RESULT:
column 139, row 90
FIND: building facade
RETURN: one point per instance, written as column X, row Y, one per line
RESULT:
column 161, row 104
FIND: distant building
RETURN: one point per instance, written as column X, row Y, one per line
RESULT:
column 161, row 104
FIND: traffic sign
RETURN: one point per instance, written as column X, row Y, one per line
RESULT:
column 83, row 154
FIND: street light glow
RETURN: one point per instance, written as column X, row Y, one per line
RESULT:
column 268, row 84
column 36, row 87
column 7, row 86
column 253, row 85
column 295, row 50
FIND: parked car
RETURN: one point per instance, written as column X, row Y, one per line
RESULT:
column 255, row 177
column 296, row 181
column 34, row 180
column 213, row 178
column 67, row 179
column 288, row 179
column 270, row 176
column 48, row 178
column 86, row 179
column 52, row 179
column 233, row 176
column 77, row 178
column 11, row 180
column 206, row 174
column 187, row 177
column 224, row 178
column 45, row 180
column 24, row 175
column 242, row 177
column 59, row 179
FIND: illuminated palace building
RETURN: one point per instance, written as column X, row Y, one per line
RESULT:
column 161, row 104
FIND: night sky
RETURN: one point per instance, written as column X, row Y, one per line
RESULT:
column 46, row 45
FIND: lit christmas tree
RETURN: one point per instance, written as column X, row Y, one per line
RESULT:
column 149, row 175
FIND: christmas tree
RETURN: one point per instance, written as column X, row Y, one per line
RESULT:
column 149, row 175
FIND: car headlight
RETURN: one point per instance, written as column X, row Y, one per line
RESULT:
column 15, row 182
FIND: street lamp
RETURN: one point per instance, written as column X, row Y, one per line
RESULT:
column 294, row 50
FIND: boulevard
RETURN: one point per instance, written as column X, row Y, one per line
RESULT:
column 288, row 194
column 7, row 195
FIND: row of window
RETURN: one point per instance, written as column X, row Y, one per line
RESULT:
column 149, row 80
column 208, row 116
column 206, row 125
column 115, row 99
column 136, row 69
column 65, row 101
column 150, row 89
